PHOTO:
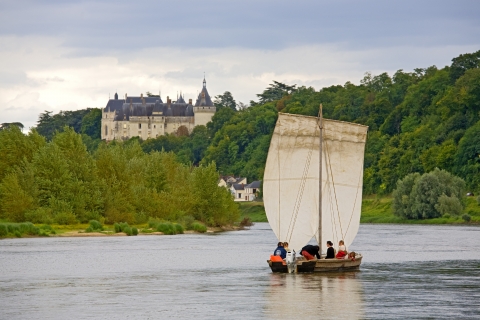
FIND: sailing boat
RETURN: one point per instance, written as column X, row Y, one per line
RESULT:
column 312, row 185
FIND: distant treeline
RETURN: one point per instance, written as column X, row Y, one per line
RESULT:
column 59, row 181
column 418, row 121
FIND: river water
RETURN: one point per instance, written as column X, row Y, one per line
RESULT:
column 407, row 272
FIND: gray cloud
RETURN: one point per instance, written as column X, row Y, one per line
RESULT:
column 95, row 27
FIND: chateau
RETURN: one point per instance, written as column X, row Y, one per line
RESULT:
column 150, row 117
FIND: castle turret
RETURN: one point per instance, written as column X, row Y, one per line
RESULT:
column 204, row 108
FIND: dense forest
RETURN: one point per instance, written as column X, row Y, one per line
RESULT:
column 418, row 121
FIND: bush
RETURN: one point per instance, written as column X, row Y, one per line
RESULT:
column 199, row 227
column 28, row 228
column 124, row 227
column 466, row 217
column 188, row 221
column 128, row 231
column 478, row 200
column 17, row 234
column 3, row 230
column 246, row 222
column 166, row 228
column 65, row 218
column 178, row 228
column 39, row 215
column 95, row 225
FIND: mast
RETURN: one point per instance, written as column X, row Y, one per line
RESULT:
column 320, row 124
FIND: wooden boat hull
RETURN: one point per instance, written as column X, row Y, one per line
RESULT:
column 338, row 265
column 319, row 265
column 302, row 266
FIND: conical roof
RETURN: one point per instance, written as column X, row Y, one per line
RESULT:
column 204, row 98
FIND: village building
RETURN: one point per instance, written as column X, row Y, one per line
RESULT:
column 150, row 117
column 240, row 190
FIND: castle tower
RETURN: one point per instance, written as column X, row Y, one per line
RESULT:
column 204, row 108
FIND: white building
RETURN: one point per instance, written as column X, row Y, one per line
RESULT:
column 150, row 117
column 245, row 192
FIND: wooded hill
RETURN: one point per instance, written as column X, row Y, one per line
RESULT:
column 418, row 121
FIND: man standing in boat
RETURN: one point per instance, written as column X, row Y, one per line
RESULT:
column 310, row 252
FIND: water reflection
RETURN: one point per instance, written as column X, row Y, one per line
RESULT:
column 325, row 296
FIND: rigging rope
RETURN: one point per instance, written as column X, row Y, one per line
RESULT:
column 334, row 191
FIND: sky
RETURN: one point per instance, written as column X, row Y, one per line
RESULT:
column 68, row 55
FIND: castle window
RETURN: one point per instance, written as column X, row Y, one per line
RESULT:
column 106, row 130
column 124, row 126
column 139, row 126
column 154, row 126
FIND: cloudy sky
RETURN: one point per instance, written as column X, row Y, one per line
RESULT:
column 72, row 54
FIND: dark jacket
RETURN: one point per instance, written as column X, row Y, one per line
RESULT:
column 330, row 253
column 280, row 251
column 313, row 250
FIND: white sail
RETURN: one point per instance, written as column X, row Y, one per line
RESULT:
column 290, row 184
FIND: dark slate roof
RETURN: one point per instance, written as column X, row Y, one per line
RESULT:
column 180, row 99
column 254, row 185
column 204, row 98
column 237, row 186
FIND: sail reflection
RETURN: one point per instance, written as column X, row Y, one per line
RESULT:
column 315, row 296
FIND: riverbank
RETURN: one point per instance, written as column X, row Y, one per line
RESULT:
column 29, row 230
column 378, row 210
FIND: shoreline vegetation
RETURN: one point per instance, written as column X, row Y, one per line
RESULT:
column 379, row 210
column 30, row 230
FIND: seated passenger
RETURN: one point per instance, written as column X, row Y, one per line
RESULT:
column 280, row 251
column 285, row 246
column 342, row 250
column 310, row 252
column 330, row 250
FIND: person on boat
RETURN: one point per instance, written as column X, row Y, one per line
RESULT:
column 310, row 252
column 285, row 246
column 330, row 250
column 342, row 250
column 280, row 251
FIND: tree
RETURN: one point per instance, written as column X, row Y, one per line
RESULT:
column 462, row 63
column 6, row 125
column 225, row 100
column 91, row 123
column 429, row 195
column 275, row 91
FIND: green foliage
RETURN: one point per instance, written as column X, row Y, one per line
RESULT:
column 275, row 91
column 18, row 229
column 125, row 227
column 3, row 230
column 225, row 101
column 199, row 227
column 478, row 200
column 94, row 226
column 464, row 62
column 428, row 196
column 166, row 228
column 466, row 217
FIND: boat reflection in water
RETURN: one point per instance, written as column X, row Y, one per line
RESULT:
column 315, row 296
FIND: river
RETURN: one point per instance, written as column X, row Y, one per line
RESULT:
column 408, row 271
